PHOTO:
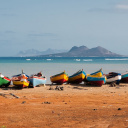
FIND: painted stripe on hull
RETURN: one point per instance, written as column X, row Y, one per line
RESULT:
column 97, row 83
column 21, row 84
column 7, row 79
column 113, row 79
column 61, row 81
column 124, row 80
column 3, row 81
column 77, row 81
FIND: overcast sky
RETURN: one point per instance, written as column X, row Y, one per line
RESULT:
column 61, row 24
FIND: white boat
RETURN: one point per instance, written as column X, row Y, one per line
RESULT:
column 113, row 77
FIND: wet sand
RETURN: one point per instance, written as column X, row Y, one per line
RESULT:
column 77, row 106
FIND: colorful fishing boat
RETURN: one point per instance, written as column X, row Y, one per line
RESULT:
column 4, row 81
column 77, row 77
column 37, row 79
column 113, row 77
column 96, row 78
column 96, row 81
column 20, row 80
column 59, row 78
column 124, row 77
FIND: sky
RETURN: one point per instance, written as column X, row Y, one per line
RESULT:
column 62, row 24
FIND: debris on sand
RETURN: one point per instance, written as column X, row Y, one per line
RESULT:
column 4, row 95
column 46, row 102
column 51, row 88
column 59, row 88
column 119, row 108
column 23, row 102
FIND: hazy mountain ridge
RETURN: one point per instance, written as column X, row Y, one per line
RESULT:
column 83, row 51
column 33, row 52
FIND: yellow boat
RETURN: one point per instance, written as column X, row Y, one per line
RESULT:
column 59, row 78
column 77, row 77
column 98, row 73
column 21, row 84
column 20, row 80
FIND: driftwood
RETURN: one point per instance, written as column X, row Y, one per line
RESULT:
column 5, row 95
column 14, row 95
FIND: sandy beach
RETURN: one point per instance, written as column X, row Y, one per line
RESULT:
column 77, row 106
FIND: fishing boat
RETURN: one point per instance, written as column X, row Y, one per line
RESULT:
column 96, row 81
column 4, row 81
column 77, row 77
column 59, row 78
column 98, row 73
column 113, row 77
column 97, row 78
column 37, row 79
column 124, row 77
column 20, row 80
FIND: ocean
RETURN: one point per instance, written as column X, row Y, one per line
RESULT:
column 10, row 66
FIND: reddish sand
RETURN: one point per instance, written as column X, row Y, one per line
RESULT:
column 74, row 107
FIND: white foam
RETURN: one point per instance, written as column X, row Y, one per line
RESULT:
column 116, row 59
column 28, row 59
column 77, row 59
column 87, row 59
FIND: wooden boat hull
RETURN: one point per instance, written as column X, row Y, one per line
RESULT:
column 21, row 84
column 34, row 81
column 59, row 78
column 124, row 77
column 77, row 77
column 98, row 73
column 4, row 81
column 96, row 81
column 113, row 77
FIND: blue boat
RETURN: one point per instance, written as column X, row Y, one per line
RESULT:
column 97, row 78
column 98, row 81
column 37, row 79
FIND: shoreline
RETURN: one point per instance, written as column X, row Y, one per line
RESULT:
column 75, row 106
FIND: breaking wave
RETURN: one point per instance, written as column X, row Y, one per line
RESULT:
column 87, row 60
column 116, row 59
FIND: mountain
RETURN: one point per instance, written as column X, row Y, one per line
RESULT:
column 83, row 51
column 33, row 52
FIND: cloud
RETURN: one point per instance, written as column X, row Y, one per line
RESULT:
column 9, row 32
column 8, row 15
column 42, row 34
column 99, row 10
column 4, row 42
column 121, row 6
column 104, row 10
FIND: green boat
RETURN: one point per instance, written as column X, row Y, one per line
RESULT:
column 4, row 81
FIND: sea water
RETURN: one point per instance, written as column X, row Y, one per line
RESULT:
column 10, row 66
